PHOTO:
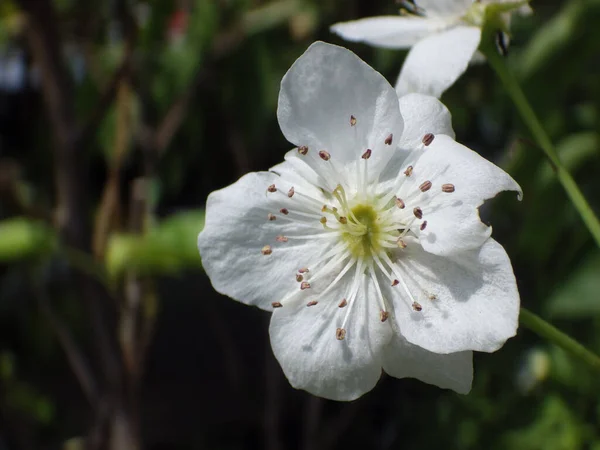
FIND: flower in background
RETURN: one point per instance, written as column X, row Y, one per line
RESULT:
column 366, row 242
column 444, row 36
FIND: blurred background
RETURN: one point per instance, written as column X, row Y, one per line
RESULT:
column 119, row 117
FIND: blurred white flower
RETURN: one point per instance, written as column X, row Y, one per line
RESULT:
column 366, row 242
column 444, row 36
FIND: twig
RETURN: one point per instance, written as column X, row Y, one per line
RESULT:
column 76, row 358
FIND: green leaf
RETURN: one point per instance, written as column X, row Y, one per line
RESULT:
column 579, row 296
column 22, row 238
column 169, row 248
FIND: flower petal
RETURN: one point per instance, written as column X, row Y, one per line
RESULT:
column 445, row 8
column 436, row 62
column 331, row 100
column 388, row 31
column 305, row 344
column 452, row 371
column 235, row 232
column 453, row 222
column 468, row 301
column 423, row 114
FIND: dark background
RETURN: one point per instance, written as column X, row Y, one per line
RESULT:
column 118, row 118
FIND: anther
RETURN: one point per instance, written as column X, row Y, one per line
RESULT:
column 266, row 250
column 276, row 305
column 352, row 121
column 323, row 220
column 432, row 297
column 340, row 334
column 303, row 150
column 305, row 285
column 428, row 139
column 312, row 303
column 383, row 315
column 281, row 238
column 400, row 203
column 325, row 156
column 291, row 192
column 417, row 306
column 449, row 188
column 272, row 188
column 395, row 283
column 401, row 244
column 423, row 225
column 343, row 220
column 342, row 303
column 284, row 211
column 367, row 154
column 271, row 217
column 409, row 170
column 389, row 139
column 299, row 278
column 425, row 186
column 303, row 270
column 418, row 212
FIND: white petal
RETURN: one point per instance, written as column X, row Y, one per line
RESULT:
column 304, row 342
column 453, row 222
column 476, row 304
column 236, row 230
column 436, row 62
column 319, row 94
column 423, row 114
column 452, row 371
column 389, row 31
column 445, row 8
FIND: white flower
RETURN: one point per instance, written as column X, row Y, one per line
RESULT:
column 444, row 36
column 366, row 242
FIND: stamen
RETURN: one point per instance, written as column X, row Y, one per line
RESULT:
column 395, row 283
column 449, row 188
column 367, row 154
column 281, row 238
column 352, row 121
column 423, row 225
column 401, row 243
column 343, row 220
column 304, row 285
column 291, row 192
column 340, row 334
column 400, row 203
column 417, row 306
column 409, row 170
column 418, row 212
column 276, row 305
column 325, row 156
column 284, row 211
column 389, row 139
column 266, row 250
column 425, row 186
column 312, row 303
column 299, row 278
column 343, row 303
column 303, row 270
column 303, row 150
column 428, row 139
column 271, row 217
column 383, row 315
column 272, row 188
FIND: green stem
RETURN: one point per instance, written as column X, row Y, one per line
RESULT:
column 537, row 130
column 554, row 335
